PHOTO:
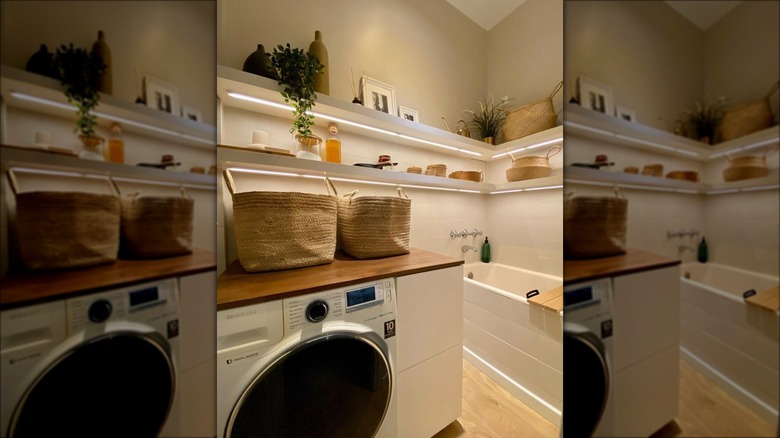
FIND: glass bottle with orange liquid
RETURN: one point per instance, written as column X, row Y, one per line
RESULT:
column 332, row 151
column 115, row 152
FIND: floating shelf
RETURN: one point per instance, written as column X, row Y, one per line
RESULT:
column 230, row 157
column 239, row 89
column 603, row 127
column 31, row 91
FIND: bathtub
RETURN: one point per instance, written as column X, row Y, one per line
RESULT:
column 518, row 345
column 733, row 343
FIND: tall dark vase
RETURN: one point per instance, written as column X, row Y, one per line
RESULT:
column 101, row 49
column 259, row 63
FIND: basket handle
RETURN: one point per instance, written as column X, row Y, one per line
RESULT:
column 556, row 152
column 557, row 88
column 618, row 193
column 402, row 193
column 12, row 181
column 773, row 89
column 184, row 193
column 329, row 186
column 114, row 186
column 229, row 181
column 350, row 195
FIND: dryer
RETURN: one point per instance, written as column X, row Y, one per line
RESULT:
column 587, row 355
column 315, row 365
column 102, row 364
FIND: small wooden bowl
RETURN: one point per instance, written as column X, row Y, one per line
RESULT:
column 471, row 175
column 686, row 175
column 631, row 169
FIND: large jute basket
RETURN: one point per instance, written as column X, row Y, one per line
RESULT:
column 747, row 167
column 283, row 230
column 594, row 226
column 531, row 118
column 156, row 226
column 63, row 230
column 747, row 118
column 374, row 226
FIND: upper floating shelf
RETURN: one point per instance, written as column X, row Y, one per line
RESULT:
column 600, row 126
column 251, row 92
column 31, row 91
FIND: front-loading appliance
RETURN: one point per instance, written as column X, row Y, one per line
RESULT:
column 102, row 364
column 321, row 364
column 587, row 355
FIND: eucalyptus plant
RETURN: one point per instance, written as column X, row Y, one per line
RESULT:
column 491, row 116
column 706, row 117
column 79, row 72
column 297, row 70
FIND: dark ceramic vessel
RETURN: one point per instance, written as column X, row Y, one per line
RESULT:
column 259, row 63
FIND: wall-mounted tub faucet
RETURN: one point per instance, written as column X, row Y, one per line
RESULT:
column 466, row 248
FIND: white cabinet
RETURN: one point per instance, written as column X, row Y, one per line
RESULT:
column 430, row 351
column 646, row 350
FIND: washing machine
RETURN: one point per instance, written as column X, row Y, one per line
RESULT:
column 102, row 364
column 315, row 365
column 587, row 354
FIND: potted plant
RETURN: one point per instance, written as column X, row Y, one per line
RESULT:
column 80, row 71
column 297, row 70
column 490, row 118
column 705, row 119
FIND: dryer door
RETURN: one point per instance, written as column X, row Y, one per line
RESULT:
column 335, row 385
column 120, row 384
column 585, row 380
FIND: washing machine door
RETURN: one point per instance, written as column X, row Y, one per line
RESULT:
column 119, row 384
column 585, row 380
column 335, row 385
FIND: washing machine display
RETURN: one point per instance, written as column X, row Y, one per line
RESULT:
column 97, row 365
column 330, row 374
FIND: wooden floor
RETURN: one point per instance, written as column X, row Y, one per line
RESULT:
column 705, row 411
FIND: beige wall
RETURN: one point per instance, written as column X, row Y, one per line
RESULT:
column 741, row 54
column 649, row 54
column 433, row 55
column 525, row 53
column 170, row 40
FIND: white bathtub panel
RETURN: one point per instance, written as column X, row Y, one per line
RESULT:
column 517, row 336
column 770, row 325
column 553, row 325
column 499, row 305
column 528, row 371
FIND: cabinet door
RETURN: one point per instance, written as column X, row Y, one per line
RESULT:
column 430, row 314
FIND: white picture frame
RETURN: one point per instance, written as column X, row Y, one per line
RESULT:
column 624, row 113
column 407, row 113
column 191, row 113
column 595, row 95
column 377, row 95
column 161, row 95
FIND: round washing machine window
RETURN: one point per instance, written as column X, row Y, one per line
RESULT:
column 585, row 383
column 120, row 384
column 331, row 386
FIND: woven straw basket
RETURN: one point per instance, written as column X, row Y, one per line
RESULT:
column 374, row 226
column 62, row 230
column 594, row 226
column 747, row 118
column 436, row 170
column 531, row 167
column 531, row 118
column 283, row 230
column 747, row 167
column 157, row 226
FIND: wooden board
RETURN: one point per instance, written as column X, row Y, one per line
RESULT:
column 236, row 287
column 33, row 287
column 632, row 261
column 239, row 148
column 768, row 299
column 550, row 300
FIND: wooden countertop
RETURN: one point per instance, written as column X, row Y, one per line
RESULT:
column 33, row 287
column 634, row 260
column 550, row 300
column 236, row 288
column 768, row 299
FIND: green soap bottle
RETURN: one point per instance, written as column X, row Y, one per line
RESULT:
column 486, row 251
column 702, row 256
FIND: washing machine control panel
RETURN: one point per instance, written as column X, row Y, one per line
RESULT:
column 364, row 296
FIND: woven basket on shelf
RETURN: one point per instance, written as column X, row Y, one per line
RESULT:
column 747, row 167
column 469, row 175
column 436, row 170
column 157, row 226
column 747, row 118
column 414, row 169
column 62, row 230
column 653, row 170
column 531, row 118
column 374, row 226
column 594, row 226
column 283, row 230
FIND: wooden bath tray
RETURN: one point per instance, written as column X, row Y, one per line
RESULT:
column 550, row 300
column 768, row 299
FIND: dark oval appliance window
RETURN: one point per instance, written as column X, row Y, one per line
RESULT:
column 120, row 384
column 337, row 385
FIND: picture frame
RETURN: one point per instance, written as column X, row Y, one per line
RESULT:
column 595, row 95
column 161, row 95
column 191, row 113
column 624, row 113
column 377, row 95
column 407, row 113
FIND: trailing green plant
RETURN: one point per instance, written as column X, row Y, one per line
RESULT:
column 491, row 116
column 297, row 69
column 79, row 72
column 706, row 118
